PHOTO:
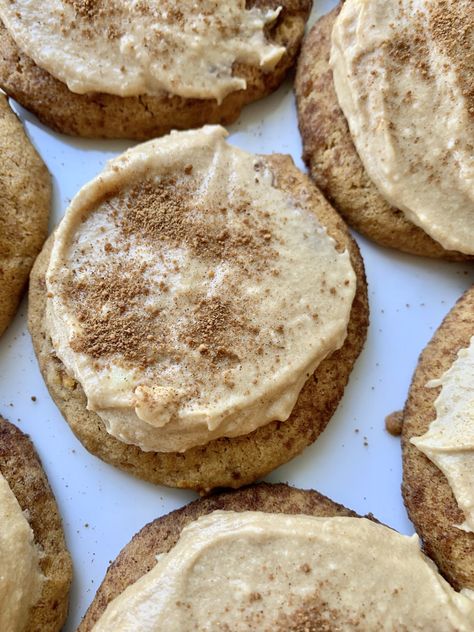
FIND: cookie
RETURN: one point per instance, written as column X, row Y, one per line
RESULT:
column 96, row 115
column 25, row 200
column 22, row 469
column 426, row 491
column 225, row 462
column 334, row 162
column 139, row 556
column 210, row 566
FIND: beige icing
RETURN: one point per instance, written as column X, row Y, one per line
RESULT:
column 240, row 295
column 257, row 571
column 20, row 576
column 243, row 294
column 403, row 77
column 134, row 47
column 449, row 441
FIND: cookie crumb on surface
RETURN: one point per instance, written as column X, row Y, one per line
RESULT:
column 393, row 423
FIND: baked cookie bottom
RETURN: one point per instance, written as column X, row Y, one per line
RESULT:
column 159, row 536
column 97, row 115
column 223, row 462
column 24, row 473
column 426, row 491
column 25, row 199
column 334, row 162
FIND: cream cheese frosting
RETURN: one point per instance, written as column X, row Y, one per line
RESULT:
column 189, row 296
column 449, row 441
column 258, row 571
column 135, row 47
column 21, row 579
column 403, row 72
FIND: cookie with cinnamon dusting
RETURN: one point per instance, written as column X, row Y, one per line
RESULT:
column 98, row 115
column 229, row 462
column 315, row 567
column 22, row 469
column 334, row 162
column 139, row 556
column 25, row 199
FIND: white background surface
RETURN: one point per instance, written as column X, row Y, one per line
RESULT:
column 102, row 507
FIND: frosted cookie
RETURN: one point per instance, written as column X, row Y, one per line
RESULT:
column 199, row 312
column 128, row 69
column 271, row 557
column 35, row 564
column 438, row 458
column 25, row 199
column 393, row 159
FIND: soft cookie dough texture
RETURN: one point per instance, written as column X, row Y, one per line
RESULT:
column 428, row 496
column 386, row 89
column 187, row 356
column 309, row 565
column 22, row 471
column 25, row 199
column 139, row 69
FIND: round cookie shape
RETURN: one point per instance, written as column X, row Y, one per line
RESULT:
column 22, row 469
column 139, row 556
column 99, row 115
column 299, row 544
column 25, row 200
column 230, row 462
column 190, row 297
column 428, row 497
column 334, row 162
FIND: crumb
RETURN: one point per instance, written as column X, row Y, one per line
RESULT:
column 393, row 423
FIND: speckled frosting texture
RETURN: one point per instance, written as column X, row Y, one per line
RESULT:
column 254, row 570
column 403, row 76
column 168, row 281
column 131, row 48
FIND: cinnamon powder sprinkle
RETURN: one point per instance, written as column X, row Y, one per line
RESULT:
column 116, row 319
column 452, row 26
column 92, row 17
column 164, row 211
column 217, row 329
column 96, row 17
column 410, row 47
column 316, row 616
column 108, row 307
column 85, row 8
